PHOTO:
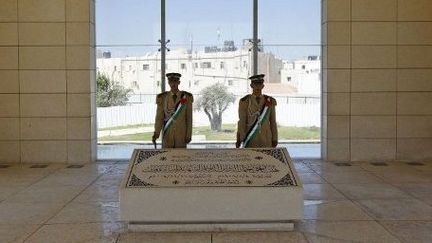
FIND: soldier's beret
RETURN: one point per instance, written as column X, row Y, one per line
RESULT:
column 173, row 76
column 259, row 78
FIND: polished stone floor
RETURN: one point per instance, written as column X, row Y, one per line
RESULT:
column 345, row 202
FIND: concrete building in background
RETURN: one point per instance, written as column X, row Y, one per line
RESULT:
column 228, row 65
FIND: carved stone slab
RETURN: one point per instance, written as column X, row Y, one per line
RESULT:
column 228, row 167
column 211, row 189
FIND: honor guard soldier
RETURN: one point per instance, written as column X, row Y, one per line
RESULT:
column 173, row 115
column 257, row 118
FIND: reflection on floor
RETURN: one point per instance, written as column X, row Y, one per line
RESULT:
column 344, row 202
column 124, row 151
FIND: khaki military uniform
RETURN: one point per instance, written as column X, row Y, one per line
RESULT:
column 180, row 132
column 249, row 111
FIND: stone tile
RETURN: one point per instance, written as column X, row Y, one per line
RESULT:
column 333, row 210
column 78, row 33
column 414, row 126
column 99, row 193
column 79, row 105
column 374, row 56
column 27, row 213
column 311, row 178
column 414, row 10
column 338, row 33
column 338, row 103
column 414, row 33
column 373, row 33
column 338, row 126
column 164, row 237
column 62, row 179
column 410, row 231
column 370, row 10
column 405, row 176
column 42, row 34
column 79, row 81
column 321, row 192
column 370, row 191
column 397, row 209
column 338, row 56
column 43, row 105
column 9, row 105
column 71, row 233
column 373, row 126
column 373, row 80
column 337, row 80
column 46, row 194
column 414, row 56
column 9, row 11
column 89, row 212
column 336, row 10
column 270, row 237
column 43, row 128
column 43, row 151
column 78, row 11
column 417, row 149
column 9, row 81
column 79, row 57
column 414, row 103
column 8, row 34
column 41, row 11
column 16, row 233
column 53, row 81
column 302, row 168
column 373, row 149
column 337, row 149
column 42, row 58
column 350, row 177
column 20, row 179
column 330, row 167
column 8, row 57
column 382, row 103
column 79, row 151
column 8, row 190
column 421, row 191
column 346, row 231
column 9, row 129
column 78, row 128
column 414, row 79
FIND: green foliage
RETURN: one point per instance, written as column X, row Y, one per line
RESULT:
column 214, row 100
column 110, row 93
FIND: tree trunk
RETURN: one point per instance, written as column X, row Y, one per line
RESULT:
column 216, row 123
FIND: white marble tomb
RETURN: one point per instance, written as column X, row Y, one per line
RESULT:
column 211, row 190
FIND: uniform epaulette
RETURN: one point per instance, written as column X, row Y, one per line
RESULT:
column 161, row 94
column 244, row 98
column 187, row 93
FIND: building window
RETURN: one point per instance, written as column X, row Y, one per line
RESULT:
column 222, row 65
column 196, row 65
column 230, row 82
column 289, row 79
column 183, row 66
column 206, row 65
column 244, row 64
column 196, row 82
column 303, row 67
column 146, row 66
column 130, row 67
column 115, row 68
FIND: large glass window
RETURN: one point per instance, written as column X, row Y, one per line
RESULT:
column 210, row 42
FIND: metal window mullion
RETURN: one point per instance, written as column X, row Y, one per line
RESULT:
column 163, row 45
column 255, row 38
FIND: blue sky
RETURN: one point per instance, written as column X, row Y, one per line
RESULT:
column 284, row 25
